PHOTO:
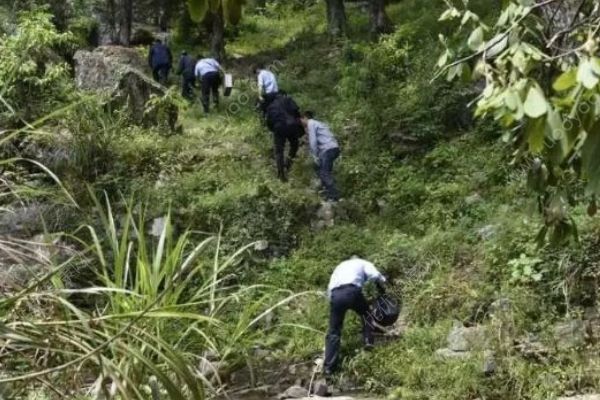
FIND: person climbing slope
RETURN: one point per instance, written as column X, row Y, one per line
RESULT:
column 283, row 119
column 325, row 150
column 208, row 71
column 186, row 69
column 345, row 293
column 160, row 60
column 267, row 86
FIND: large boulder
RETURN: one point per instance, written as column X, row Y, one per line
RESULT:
column 120, row 72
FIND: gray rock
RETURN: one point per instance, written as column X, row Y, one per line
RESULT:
column 501, row 306
column 405, row 145
column 451, row 354
column 24, row 220
column 294, row 392
column 489, row 363
column 102, row 68
column 569, row 334
column 119, row 72
column 487, row 232
column 463, row 338
column 473, row 199
column 321, row 388
column 530, row 347
column 582, row 397
column 158, row 225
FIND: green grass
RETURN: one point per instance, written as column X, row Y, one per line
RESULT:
column 416, row 215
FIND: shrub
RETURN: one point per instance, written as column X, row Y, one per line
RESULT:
column 33, row 77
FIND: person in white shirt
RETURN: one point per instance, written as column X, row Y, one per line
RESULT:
column 267, row 86
column 325, row 150
column 208, row 71
column 345, row 293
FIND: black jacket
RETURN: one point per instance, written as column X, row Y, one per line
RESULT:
column 187, row 65
column 283, row 113
column 159, row 56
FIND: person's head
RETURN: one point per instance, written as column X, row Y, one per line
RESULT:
column 258, row 67
column 184, row 53
column 306, row 116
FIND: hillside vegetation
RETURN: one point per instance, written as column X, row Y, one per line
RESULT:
column 430, row 195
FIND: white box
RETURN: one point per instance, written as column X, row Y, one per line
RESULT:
column 227, row 84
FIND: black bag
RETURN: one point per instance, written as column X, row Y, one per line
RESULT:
column 385, row 310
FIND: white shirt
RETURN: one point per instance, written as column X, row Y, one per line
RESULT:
column 320, row 138
column 207, row 65
column 267, row 82
column 353, row 272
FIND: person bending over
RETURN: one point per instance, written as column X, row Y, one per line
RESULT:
column 325, row 150
column 208, row 71
column 283, row 119
column 345, row 293
column 267, row 86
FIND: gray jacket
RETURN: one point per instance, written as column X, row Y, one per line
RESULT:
column 320, row 138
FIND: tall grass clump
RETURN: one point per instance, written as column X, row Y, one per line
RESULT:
column 146, row 324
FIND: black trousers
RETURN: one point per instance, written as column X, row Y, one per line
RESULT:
column 161, row 73
column 343, row 299
column 281, row 134
column 187, row 87
column 210, row 83
column 325, row 172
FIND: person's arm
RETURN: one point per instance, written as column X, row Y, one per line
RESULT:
column 197, row 70
column 373, row 273
column 170, row 55
column 181, row 66
column 312, row 140
column 150, row 55
column 260, row 85
column 216, row 65
column 294, row 109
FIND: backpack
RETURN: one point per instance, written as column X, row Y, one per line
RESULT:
column 385, row 310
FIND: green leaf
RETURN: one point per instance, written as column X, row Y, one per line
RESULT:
column 566, row 80
column 496, row 45
column 449, row 14
column 535, row 103
column 535, row 132
column 512, row 100
column 586, row 75
column 443, row 59
column 590, row 158
column 476, row 39
column 198, row 9
column 232, row 11
column 555, row 125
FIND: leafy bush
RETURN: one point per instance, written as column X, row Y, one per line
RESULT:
column 33, row 77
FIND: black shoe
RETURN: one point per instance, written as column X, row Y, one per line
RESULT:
column 369, row 347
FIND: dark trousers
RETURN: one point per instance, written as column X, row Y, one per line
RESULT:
column 325, row 172
column 187, row 87
column 343, row 299
column 281, row 134
column 161, row 73
column 210, row 83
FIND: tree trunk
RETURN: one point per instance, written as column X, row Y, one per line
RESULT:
column 336, row 17
column 380, row 22
column 217, row 35
column 125, row 22
column 163, row 20
column 111, row 17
